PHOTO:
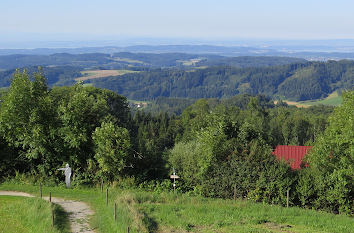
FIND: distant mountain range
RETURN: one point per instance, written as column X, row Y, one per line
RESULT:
column 308, row 52
column 128, row 60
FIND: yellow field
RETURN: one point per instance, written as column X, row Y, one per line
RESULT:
column 93, row 74
column 127, row 60
column 190, row 62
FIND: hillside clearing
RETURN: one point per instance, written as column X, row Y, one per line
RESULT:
column 334, row 99
column 128, row 60
column 95, row 74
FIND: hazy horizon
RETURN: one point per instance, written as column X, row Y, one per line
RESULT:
column 180, row 21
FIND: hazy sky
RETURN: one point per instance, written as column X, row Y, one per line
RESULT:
column 204, row 19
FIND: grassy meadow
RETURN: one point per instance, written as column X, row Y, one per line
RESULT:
column 161, row 212
column 25, row 214
column 332, row 100
column 94, row 74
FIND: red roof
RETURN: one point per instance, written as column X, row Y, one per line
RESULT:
column 292, row 154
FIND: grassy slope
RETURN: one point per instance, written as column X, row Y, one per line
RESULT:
column 166, row 212
column 103, row 219
column 333, row 100
column 22, row 214
column 94, row 74
column 196, row 214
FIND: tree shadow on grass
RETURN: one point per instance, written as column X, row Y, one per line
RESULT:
column 150, row 223
column 61, row 219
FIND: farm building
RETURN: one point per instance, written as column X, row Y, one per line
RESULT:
column 292, row 154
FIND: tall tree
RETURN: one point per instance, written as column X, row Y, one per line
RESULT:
column 112, row 147
column 332, row 160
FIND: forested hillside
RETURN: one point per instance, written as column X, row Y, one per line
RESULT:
column 125, row 60
column 189, row 76
column 300, row 81
column 56, row 76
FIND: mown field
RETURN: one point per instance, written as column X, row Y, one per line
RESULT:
column 94, row 74
column 161, row 212
column 332, row 100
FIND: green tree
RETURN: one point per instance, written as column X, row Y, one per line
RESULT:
column 332, row 160
column 27, row 116
column 79, row 114
column 112, row 147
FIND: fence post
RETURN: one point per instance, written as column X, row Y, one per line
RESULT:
column 50, row 196
column 128, row 229
column 101, row 185
column 52, row 218
column 234, row 191
column 287, row 198
column 40, row 189
column 115, row 211
column 107, row 196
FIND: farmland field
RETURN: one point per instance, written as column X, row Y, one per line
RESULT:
column 94, row 74
column 128, row 60
column 190, row 62
column 332, row 100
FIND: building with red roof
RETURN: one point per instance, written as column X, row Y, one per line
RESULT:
column 294, row 155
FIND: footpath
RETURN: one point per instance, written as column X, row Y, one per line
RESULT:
column 78, row 212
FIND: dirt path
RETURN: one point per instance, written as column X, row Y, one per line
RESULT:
column 78, row 212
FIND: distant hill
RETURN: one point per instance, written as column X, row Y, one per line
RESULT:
column 57, row 76
column 190, row 75
column 299, row 82
column 64, row 68
column 124, row 60
column 311, row 52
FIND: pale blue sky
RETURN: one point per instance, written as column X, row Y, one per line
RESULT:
column 204, row 19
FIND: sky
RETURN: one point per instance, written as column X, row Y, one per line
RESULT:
column 199, row 19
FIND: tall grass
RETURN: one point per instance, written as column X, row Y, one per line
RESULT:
column 22, row 214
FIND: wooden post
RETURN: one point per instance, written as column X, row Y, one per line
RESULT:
column 40, row 189
column 128, row 229
column 287, row 198
column 107, row 196
column 50, row 196
column 115, row 211
column 52, row 218
column 234, row 191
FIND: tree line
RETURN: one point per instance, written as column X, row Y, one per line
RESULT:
column 219, row 148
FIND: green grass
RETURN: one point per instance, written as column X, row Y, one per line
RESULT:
column 95, row 74
column 166, row 212
column 128, row 60
column 103, row 219
column 23, row 214
column 332, row 100
column 169, row 212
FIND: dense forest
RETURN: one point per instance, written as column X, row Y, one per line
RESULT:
column 180, row 75
column 298, row 81
column 219, row 148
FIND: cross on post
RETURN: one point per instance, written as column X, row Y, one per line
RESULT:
column 174, row 177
